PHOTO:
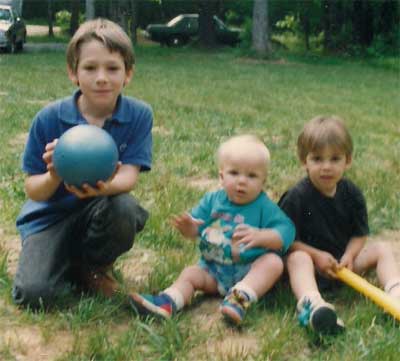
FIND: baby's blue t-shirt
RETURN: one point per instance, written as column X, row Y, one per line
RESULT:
column 130, row 126
column 221, row 217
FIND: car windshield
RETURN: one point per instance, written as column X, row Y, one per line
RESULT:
column 219, row 22
column 175, row 20
column 5, row 15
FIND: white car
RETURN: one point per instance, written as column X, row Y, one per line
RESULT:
column 12, row 30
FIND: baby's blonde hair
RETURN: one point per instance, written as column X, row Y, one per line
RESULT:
column 320, row 132
column 245, row 144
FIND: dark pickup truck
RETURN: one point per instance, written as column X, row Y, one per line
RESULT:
column 181, row 29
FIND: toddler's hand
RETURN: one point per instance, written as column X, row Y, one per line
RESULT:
column 248, row 236
column 186, row 225
column 346, row 261
column 326, row 264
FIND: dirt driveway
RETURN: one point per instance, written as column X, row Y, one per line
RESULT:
column 36, row 30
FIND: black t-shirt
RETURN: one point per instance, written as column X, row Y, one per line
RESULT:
column 326, row 223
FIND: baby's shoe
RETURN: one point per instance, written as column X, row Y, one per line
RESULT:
column 234, row 306
column 319, row 315
column 159, row 305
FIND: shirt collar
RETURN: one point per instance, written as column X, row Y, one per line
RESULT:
column 69, row 111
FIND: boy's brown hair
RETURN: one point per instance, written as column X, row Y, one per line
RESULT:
column 324, row 131
column 111, row 35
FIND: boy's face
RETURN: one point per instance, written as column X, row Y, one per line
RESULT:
column 242, row 177
column 325, row 168
column 101, row 76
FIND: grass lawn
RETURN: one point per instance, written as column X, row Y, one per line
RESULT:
column 199, row 98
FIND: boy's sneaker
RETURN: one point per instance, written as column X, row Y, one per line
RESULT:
column 319, row 315
column 159, row 305
column 234, row 306
column 99, row 280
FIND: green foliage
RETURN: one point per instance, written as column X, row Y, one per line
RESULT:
column 63, row 20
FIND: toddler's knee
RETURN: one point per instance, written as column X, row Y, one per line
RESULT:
column 34, row 295
column 298, row 258
column 275, row 262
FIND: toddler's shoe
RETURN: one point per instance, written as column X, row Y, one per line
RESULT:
column 159, row 305
column 234, row 306
column 319, row 315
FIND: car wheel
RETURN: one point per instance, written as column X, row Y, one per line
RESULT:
column 19, row 46
column 11, row 48
column 175, row 40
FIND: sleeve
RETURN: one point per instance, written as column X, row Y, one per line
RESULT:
column 32, row 161
column 139, row 150
column 274, row 218
column 203, row 210
column 290, row 205
column 360, row 219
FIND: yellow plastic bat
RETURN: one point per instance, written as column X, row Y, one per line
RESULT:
column 375, row 294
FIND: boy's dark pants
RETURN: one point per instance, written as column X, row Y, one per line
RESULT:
column 93, row 236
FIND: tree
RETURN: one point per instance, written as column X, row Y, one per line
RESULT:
column 90, row 11
column 50, row 17
column 207, row 10
column 134, row 20
column 260, row 38
column 74, row 24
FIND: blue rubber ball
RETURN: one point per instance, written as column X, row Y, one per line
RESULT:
column 85, row 154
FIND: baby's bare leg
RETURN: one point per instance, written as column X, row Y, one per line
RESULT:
column 263, row 274
column 191, row 279
column 378, row 255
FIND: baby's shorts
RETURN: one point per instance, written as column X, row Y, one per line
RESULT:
column 225, row 275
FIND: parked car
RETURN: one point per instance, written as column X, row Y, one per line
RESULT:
column 12, row 29
column 181, row 29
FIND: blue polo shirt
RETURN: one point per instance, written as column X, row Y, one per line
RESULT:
column 130, row 126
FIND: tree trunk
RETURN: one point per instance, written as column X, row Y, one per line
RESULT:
column 90, row 12
column 327, row 6
column 134, row 20
column 206, row 23
column 74, row 24
column 260, row 39
column 50, row 17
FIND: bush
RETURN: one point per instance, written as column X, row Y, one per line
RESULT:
column 63, row 19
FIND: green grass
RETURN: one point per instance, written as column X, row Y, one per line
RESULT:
column 199, row 98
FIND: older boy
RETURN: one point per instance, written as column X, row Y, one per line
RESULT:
column 242, row 237
column 72, row 234
column 330, row 216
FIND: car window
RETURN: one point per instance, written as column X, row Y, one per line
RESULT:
column 193, row 23
column 219, row 23
column 174, row 20
column 5, row 15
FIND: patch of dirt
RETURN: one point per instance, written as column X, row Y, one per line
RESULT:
column 29, row 344
column 203, row 183
column 38, row 101
column 38, row 30
column 161, row 130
